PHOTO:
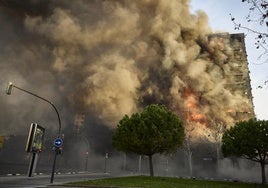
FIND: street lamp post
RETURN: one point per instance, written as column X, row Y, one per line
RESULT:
column 87, row 152
column 8, row 92
column 105, row 162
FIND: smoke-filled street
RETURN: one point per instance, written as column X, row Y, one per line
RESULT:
column 98, row 60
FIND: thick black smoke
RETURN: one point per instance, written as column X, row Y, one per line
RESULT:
column 110, row 58
column 105, row 59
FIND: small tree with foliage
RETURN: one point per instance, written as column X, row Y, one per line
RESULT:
column 249, row 140
column 155, row 130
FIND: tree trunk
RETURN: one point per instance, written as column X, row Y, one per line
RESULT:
column 151, row 165
column 190, row 161
column 140, row 165
column 218, row 157
column 263, row 177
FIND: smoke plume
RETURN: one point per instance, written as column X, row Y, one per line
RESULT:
column 110, row 58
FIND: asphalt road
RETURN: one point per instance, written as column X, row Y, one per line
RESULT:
column 38, row 181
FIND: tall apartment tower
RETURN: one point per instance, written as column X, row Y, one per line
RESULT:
column 238, row 79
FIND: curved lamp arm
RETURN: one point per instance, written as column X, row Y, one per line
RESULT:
column 8, row 92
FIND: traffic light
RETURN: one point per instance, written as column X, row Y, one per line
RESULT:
column 9, row 88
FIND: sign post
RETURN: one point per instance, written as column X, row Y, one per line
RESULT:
column 8, row 92
column 34, row 145
column 57, row 147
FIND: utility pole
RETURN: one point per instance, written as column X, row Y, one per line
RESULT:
column 58, row 140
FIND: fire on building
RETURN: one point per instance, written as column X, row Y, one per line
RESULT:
column 103, row 59
column 194, row 111
column 233, row 70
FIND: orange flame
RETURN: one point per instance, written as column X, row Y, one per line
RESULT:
column 192, row 107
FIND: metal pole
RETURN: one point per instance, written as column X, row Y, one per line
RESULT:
column 58, row 115
column 105, row 162
column 54, row 107
column 86, row 160
column 32, row 164
column 53, row 168
column 87, row 152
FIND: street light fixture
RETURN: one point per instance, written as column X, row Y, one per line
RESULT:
column 8, row 92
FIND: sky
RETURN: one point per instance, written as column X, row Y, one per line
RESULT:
column 220, row 21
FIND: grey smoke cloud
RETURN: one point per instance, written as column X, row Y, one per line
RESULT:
column 110, row 58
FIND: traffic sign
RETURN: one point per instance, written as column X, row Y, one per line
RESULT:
column 58, row 142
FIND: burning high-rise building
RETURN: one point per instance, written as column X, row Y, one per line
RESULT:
column 229, row 57
column 238, row 80
column 109, row 58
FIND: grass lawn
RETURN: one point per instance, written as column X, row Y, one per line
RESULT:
column 160, row 182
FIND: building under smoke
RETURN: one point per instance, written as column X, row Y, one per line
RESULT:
column 103, row 59
column 238, row 79
column 232, row 67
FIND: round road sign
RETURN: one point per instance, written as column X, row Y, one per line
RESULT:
column 58, row 142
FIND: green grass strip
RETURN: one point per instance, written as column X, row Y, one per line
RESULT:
column 161, row 182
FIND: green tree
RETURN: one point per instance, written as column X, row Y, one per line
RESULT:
column 249, row 140
column 155, row 130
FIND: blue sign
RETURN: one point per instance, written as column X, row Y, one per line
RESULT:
column 58, row 142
